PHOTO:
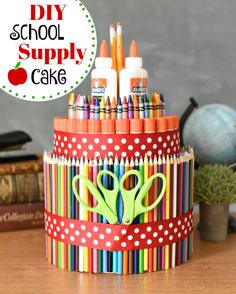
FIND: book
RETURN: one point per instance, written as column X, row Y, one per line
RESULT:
column 14, row 139
column 20, row 188
column 33, row 165
column 21, row 216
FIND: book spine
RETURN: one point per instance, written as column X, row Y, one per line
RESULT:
column 21, row 188
column 21, row 168
column 21, row 216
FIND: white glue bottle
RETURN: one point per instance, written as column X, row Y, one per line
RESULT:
column 103, row 77
column 133, row 78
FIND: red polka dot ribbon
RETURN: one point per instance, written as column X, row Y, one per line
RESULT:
column 73, row 144
column 118, row 237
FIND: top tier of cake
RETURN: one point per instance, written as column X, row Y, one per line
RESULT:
column 121, row 137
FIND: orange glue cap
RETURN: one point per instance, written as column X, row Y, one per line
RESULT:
column 122, row 126
column 149, row 125
column 82, row 126
column 94, row 126
column 161, row 124
column 136, row 126
column 133, row 49
column 108, row 126
column 104, row 49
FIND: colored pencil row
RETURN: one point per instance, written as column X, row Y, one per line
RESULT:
column 137, row 107
column 61, row 201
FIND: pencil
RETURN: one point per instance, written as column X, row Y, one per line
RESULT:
column 136, row 221
column 155, row 214
column 141, row 217
column 85, row 212
column 59, row 209
column 73, row 214
column 90, row 216
column 100, row 219
column 146, row 200
column 167, row 207
column 119, row 48
column 110, row 187
column 113, row 44
column 120, row 214
column 77, row 216
column 159, row 216
column 163, row 212
column 115, row 253
column 150, row 214
column 131, row 186
column 81, row 215
column 69, row 208
column 174, row 183
column 126, row 253
column 95, row 216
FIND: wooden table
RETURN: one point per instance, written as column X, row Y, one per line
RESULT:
column 24, row 269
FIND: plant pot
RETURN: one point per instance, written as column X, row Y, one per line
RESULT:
column 213, row 222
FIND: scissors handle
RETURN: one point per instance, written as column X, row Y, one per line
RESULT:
column 139, row 207
column 129, row 196
column 101, row 207
column 109, row 195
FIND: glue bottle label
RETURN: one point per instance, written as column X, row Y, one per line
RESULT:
column 99, row 87
column 138, row 86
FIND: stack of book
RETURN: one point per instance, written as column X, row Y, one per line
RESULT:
column 21, row 184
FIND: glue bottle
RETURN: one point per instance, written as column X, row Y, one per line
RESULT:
column 133, row 78
column 103, row 77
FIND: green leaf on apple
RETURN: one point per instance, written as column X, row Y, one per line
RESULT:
column 18, row 65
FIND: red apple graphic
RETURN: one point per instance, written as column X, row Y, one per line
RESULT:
column 18, row 75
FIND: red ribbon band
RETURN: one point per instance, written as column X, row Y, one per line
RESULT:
column 118, row 237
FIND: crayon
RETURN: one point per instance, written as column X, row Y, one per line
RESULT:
column 97, row 109
column 86, row 107
column 130, row 108
column 124, row 109
column 113, row 108
column 136, row 107
column 141, row 218
column 71, row 106
column 108, row 108
column 146, row 106
column 150, row 106
column 141, row 107
column 102, row 108
column 119, row 108
column 92, row 105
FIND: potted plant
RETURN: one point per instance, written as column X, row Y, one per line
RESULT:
column 215, row 189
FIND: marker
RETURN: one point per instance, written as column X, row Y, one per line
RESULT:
column 94, row 126
column 108, row 108
column 108, row 126
column 149, row 125
column 124, row 109
column 161, row 124
column 113, row 108
column 82, row 126
column 130, row 108
column 122, row 126
column 136, row 126
column 71, row 106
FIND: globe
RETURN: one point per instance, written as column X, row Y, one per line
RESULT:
column 211, row 131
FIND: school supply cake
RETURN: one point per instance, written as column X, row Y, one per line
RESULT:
column 118, row 187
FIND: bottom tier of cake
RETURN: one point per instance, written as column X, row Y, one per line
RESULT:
column 119, row 216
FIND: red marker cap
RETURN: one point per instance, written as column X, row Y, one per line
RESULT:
column 136, row 126
column 170, row 122
column 122, row 126
column 149, row 125
column 161, row 124
column 94, row 126
column 108, row 126
column 82, row 126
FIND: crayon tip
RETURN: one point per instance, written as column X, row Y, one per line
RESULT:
column 124, row 100
column 119, row 101
column 72, row 98
column 108, row 101
column 130, row 99
column 133, row 49
column 97, row 103
column 114, row 101
column 112, row 26
column 104, row 49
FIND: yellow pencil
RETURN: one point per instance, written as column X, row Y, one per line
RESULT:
column 81, row 213
column 113, row 43
column 120, row 50
column 86, row 215
column 167, row 206
column 146, row 213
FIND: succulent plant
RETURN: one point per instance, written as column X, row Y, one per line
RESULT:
column 215, row 184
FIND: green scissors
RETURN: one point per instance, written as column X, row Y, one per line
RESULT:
column 133, row 199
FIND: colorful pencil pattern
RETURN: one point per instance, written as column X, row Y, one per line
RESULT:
column 60, row 200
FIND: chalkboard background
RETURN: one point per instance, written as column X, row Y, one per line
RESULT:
column 188, row 47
